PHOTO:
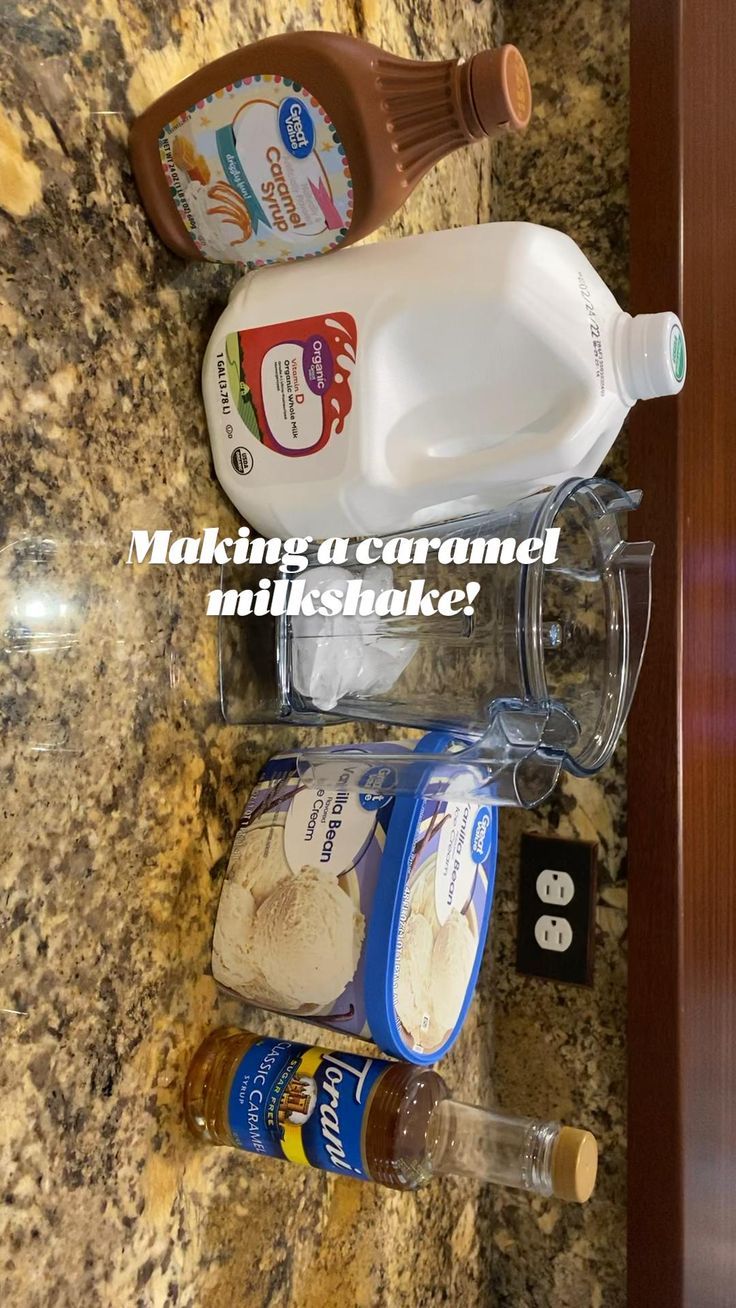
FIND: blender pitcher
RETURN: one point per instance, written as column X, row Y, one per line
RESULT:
column 537, row 674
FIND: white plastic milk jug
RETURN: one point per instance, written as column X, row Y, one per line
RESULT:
column 410, row 381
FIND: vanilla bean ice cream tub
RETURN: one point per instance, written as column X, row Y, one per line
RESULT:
column 363, row 913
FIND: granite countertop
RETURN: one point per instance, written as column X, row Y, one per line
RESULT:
column 120, row 784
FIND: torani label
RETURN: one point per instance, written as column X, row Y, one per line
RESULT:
column 304, row 1103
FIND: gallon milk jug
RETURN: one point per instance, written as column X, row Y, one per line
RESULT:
column 411, row 381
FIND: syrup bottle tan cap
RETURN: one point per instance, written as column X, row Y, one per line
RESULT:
column 501, row 91
column 574, row 1165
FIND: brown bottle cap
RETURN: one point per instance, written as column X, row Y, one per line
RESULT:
column 502, row 94
column 574, row 1165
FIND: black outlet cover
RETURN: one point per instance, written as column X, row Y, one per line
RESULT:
column 558, row 858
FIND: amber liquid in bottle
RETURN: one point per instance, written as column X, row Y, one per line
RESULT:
column 397, row 1133
column 413, row 1130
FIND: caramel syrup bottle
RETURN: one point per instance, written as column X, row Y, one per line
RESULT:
column 301, row 143
column 368, row 1117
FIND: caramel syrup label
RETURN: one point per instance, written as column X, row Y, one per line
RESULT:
column 288, row 386
column 304, row 1103
column 258, row 173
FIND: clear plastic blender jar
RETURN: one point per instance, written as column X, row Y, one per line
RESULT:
column 539, row 676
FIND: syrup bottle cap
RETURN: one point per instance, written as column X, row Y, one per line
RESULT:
column 500, row 88
column 574, row 1165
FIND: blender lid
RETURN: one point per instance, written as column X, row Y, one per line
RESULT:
column 583, row 620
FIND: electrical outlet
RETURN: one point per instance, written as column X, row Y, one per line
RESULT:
column 555, row 887
column 557, row 896
column 553, row 933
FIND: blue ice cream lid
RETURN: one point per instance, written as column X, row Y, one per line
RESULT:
column 429, row 918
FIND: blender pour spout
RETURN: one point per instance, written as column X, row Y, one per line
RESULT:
column 516, row 761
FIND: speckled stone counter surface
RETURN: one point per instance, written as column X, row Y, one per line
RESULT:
column 120, row 786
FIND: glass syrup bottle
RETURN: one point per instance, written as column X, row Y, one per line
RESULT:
column 367, row 1117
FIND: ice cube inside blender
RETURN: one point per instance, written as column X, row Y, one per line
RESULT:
column 345, row 655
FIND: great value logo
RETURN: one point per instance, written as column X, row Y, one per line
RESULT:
column 318, row 364
column 296, row 128
column 482, row 834
column 373, row 783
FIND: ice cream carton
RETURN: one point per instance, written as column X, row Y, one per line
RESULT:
column 361, row 912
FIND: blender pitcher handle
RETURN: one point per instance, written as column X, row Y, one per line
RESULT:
column 517, row 761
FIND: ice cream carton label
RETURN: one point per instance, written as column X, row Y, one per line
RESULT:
column 443, row 920
column 291, row 925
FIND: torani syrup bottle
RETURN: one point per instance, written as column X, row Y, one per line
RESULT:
column 301, row 143
column 370, row 1118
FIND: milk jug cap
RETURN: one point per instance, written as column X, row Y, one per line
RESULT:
column 655, row 354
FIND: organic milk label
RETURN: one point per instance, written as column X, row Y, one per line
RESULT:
column 258, row 173
column 286, row 386
column 304, row 1103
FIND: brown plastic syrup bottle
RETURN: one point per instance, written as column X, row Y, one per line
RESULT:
column 298, row 144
